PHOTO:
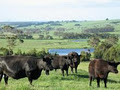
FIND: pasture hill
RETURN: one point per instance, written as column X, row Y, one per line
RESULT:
column 63, row 29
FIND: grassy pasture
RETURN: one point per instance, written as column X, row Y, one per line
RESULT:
column 55, row 81
column 46, row 44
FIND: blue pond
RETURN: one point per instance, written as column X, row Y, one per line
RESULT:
column 66, row 51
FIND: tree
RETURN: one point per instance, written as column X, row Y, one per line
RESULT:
column 101, row 49
column 11, row 38
column 49, row 37
column 112, row 40
column 107, row 19
column 8, row 28
column 113, row 53
column 85, row 56
column 94, row 41
column 41, row 36
column 11, row 43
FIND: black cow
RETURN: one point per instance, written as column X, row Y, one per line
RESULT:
column 61, row 62
column 75, row 60
column 100, row 69
column 23, row 66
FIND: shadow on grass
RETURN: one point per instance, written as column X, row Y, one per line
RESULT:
column 113, row 81
column 81, row 74
column 44, row 86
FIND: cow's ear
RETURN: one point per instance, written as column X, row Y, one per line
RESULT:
column 118, row 63
column 80, row 55
column 44, row 59
column 110, row 63
column 66, row 57
column 69, row 57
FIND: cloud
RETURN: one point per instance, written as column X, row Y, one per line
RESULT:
column 58, row 9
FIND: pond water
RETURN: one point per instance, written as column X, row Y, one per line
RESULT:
column 66, row 51
column 80, row 40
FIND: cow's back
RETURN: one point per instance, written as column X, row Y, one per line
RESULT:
column 19, row 61
column 55, row 62
column 15, row 66
column 92, row 68
column 59, row 61
column 98, row 68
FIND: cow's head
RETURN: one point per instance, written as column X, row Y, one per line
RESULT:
column 74, row 58
column 112, row 67
column 70, row 60
column 47, row 63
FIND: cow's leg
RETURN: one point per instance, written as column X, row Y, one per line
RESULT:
column 105, row 82
column 30, row 80
column 75, row 69
column 29, row 77
column 6, row 79
column 55, row 70
column 98, row 82
column 90, row 80
column 1, row 75
column 67, row 72
column 62, row 72
column 72, row 69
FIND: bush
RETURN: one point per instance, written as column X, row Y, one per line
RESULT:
column 101, row 49
column 112, row 54
column 19, row 52
column 32, row 52
column 4, row 51
column 85, row 56
column 36, row 53
column 41, row 54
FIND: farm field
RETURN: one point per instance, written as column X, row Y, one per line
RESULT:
column 55, row 81
column 45, row 44
column 49, row 28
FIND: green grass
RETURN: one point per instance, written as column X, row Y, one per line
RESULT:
column 45, row 44
column 55, row 81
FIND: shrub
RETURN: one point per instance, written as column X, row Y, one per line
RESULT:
column 85, row 56
column 19, row 52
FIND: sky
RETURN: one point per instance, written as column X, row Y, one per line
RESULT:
column 58, row 10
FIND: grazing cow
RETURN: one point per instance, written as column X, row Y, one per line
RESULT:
column 100, row 69
column 23, row 66
column 75, row 59
column 61, row 62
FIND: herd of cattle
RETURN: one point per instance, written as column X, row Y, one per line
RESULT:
column 31, row 67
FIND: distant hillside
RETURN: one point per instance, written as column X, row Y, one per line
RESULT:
column 53, row 27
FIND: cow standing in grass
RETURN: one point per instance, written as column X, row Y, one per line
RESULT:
column 61, row 62
column 75, row 60
column 23, row 66
column 100, row 69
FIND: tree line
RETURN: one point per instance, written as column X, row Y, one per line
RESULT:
column 82, row 35
column 109, row 49
column 100, row 29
